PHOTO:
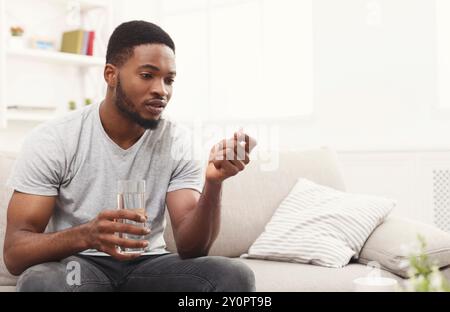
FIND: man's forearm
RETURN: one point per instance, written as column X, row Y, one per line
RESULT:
column 33, row 248
column 201, row 227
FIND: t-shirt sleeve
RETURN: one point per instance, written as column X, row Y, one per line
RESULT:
column 188, row 171
column 39, row 167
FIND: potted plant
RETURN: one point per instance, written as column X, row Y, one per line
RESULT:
column 72, row 105
column 16, row 31
column 16, row 40
column 424, row 275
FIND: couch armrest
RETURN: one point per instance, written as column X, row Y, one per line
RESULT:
column 388, row 244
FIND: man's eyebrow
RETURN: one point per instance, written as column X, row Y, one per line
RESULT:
column 155, row 68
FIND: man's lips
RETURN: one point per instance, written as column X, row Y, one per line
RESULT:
column 155, row 107
column 156, row 103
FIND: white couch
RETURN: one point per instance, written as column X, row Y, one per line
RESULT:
column 249, row 201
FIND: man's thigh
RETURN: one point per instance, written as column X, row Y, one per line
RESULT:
column 70, row 274
column 203, row 274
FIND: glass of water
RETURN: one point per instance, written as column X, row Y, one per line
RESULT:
column 131, row 196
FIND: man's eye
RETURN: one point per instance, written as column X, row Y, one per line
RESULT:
column 146, row 76
column 170, row 81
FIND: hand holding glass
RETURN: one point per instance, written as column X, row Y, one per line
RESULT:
column 131, row 196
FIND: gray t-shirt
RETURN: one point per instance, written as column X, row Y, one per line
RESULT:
column 74, row 159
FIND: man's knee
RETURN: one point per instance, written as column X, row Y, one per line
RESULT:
column 68, row 275
column 42, row 277
column 232, row 275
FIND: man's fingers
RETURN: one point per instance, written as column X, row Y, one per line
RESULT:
column 218, row 148
column 236, row 144
column 230, row 165
column 247, row 144
column 246, row 159
column 115, row 253
column 239, row 140
column 250, row 143
column 229, row 168
column 232, row 153
column 124, row 242
column 224, row 151
column 237, row 148
column 122, row 214
column 130, row 215
column 238, row 164
column 119, row 227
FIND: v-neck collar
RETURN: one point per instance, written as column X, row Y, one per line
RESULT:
column 116, row 148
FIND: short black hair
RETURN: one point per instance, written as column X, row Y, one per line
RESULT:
column 131, row 34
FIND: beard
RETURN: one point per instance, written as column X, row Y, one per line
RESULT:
column 127, row 108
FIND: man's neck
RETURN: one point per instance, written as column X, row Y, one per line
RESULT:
column 119, row 128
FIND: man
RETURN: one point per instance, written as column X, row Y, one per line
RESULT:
column 62, row 214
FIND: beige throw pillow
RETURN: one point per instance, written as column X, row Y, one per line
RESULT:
column 320, row 225
column 391, row 242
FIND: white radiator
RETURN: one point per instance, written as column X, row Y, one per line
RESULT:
column 441, row 199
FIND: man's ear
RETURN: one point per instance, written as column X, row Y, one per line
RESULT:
column 110, row 73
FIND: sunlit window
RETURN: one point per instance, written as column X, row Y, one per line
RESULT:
column 241, row 59
column 443, row 58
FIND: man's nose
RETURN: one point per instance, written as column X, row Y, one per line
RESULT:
column 159, row 87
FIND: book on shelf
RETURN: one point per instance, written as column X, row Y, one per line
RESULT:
column 90, row 49
column 78, row 42
column 85, row 42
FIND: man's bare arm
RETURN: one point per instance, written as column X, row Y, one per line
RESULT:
column 27, row 245
column 28, row 216
column 195, row 219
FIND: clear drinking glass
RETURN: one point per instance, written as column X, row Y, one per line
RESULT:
column 131, row 196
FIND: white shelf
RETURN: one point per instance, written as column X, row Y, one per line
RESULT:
column 99, row 20
column 38, row 115
column 57, row 57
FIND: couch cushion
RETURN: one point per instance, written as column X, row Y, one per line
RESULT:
column 7, row 288
column 6, row 163
column 250, row 198
column 320, row 225
column 284, row 276
column 388, row 244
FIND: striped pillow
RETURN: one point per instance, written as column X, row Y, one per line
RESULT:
column 320, row 225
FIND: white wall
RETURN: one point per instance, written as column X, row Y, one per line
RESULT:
column 374, row 74
column 375, row 77
column 148, row 10
column 375, row 82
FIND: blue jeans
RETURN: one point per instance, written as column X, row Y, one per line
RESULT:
column 147, row 273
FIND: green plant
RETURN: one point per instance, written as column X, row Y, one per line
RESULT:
column 424, row 275
column 16, row 31
column 72, row 105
